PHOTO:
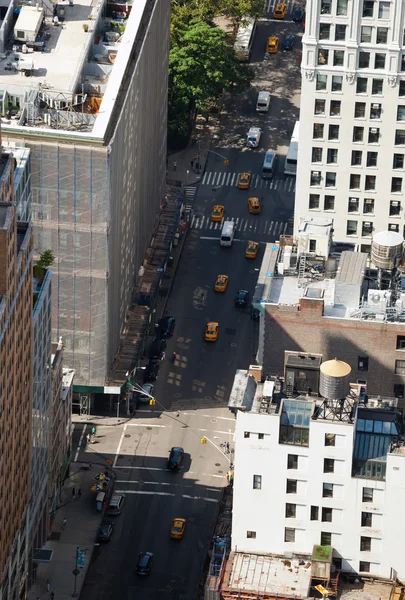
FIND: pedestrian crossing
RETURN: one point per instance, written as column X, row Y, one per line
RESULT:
column 291, row 6
column 189, row 194
column 219, row 179
column 248, row 225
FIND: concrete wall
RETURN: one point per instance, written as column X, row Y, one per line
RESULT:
column 307, row 330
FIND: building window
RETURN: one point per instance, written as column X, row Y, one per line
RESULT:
column 321, row 81
column 319, row 107
column 324, row 31
column 373, row 135
column 353, row 207
column 399, row 390
column 401, row 113
column 257, row 482
column 365, row 37
column 337, row 83
column 318, row 131
column 246, row 434
column 330, row 179
column 341, row 8
column 330, row 439
column 401, row 91
column 370, row 183
column 338, row 58
column 351, row 228
column 354, row 182
column 327, row 490
column 326, row 7
column 365, row 544
column 396, row 185
column 393, row 227
column 362, row 363
column 402, row 63
column 314, row 513
column 383, row 10
column 379, row 60
column 366, row 229
column 372, row 159
column 312, row 245
column 292, row 461
column 377, row 87
column 368, row 494
column 400, row 137
column 332, row 156
column 251, row 535
column 361, row 85
column 291, row 486
column 289, row 534
column 375, row 111
column 290, row 511
column 260, row 436
column 395, row 208
column 400, row 367
column 398, row 162
column 356, row 158
column 314, row 201
column 333, row 132
column 364, row 60
column 368, row 8
column 329, row 203
column 364, row 567
column 382, row 35
column 323, row 56
column 400, row 342
column 328, row 465
column 315, row 178
column 360, row 110
column 366, row 517
column 316, row 155
column 326, row 538
column 327, row 514
column 335, row 108
column 340, row 33
column 358, row 134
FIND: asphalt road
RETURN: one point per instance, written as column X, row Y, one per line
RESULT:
column 194, row 391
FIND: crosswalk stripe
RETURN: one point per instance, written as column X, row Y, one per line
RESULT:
column 233, row 177
column 221, row 178
column 243, row 225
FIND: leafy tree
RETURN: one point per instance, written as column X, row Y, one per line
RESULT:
column 46, row 259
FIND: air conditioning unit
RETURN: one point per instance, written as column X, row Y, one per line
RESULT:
column 394, row 203
column 373, row 130
column 376, row 106
column 316, row 173
column 366, row 224
column 368, row 201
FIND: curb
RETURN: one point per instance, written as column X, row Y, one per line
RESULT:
column 176, row 266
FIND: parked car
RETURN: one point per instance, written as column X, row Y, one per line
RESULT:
column 145, row 560
column 144, row 396
column 116, row 504
column 151, row 371
column 166, row 326
column 242, row 298
column 298, row 15
column 157, row 348
column 289, row 42
column 105, row 531
column 175, row 458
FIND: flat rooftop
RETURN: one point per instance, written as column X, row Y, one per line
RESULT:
column 267, row 574
column 366, row 590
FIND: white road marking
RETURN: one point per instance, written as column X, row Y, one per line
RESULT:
column 139, row 481
column 119, row 446
column 166, row 471
column 233, row 178
column 208, row 416
column 80, row 443
column 145, row 493
column 228, row 178
column 146, row 425
column 209, row 238
column 223, row 178
column 135, row 424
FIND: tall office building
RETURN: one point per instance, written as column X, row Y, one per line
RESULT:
column 15, row 389
column 352, row 121
column 92, row 109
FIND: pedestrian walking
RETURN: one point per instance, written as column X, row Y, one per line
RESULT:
column 175, row 165
column 64, row 524
column 227, row 447
column 163, row 356
column 90, row 463
column 192, row 163
column 52, row 595
column 48, row 585
column 88, row 438
column 74, row 493
column 79, row 493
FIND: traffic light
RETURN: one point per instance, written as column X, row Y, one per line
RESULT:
column 226, row 163
column 203, row 440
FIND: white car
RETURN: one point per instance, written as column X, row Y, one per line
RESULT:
column 148, row 389
column 253, row 137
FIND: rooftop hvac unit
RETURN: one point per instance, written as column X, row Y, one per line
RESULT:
column 373, row 130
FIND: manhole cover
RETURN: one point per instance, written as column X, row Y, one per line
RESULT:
column 230, row 331
column 127, row 435
column 217, row 464
column 233, row 345
column 213, row 420
column 220, row 472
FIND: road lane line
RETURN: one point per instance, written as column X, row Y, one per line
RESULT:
column 146, row 493
column 146, row 425
column 209, row 238
column 223, row 178
column 166, row 471
column 175, row 485
column 204, row 178
column 228, row 178
column 233, row 182
column 119, row 446
column 80, row 443
column 192, row 221
column 271, row 226
column 208, row 416
column 208, row 178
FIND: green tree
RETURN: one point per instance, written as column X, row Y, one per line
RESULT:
column 46, row 259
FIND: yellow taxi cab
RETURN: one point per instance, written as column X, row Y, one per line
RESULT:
column 221, row 283
column 177, row 529
column 244, row 181
column 280, row 11
column 251, row 249
column 211, row 332
column 217, row 213
column 272, row 44
column 254, row 206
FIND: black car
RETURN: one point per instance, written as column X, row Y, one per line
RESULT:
column 175, row 458
column 289, row 42
column 242, row 298
column 166, row 326
column 157, row 348
column 144, row 565
column 298, row 15
column 151, row 371
column 105, row 531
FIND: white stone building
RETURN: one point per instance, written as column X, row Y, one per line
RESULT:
column 316, row 471
column 351, row 154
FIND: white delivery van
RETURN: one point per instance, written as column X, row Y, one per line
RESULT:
column 227, row 233
column 253, row 137
column 269, row 164
column 263, row 102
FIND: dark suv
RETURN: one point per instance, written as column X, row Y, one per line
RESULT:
column 242, row 298
column 157, row 348
column 175, row 458
column 166, row 326
column 145, row 560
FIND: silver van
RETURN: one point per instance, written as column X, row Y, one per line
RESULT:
column 263, row 102
column 227, row 233
column 269, row 164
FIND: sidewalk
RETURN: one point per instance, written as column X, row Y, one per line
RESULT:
column 82, row 523
column 203, row 134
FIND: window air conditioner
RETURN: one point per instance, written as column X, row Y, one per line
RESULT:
column 316, row 173
column 394, row 203
column 367, row 225
column 373, row 130
column 376, row 106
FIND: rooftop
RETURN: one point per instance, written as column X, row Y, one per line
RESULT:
column 67, row 381
column 267, row 574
